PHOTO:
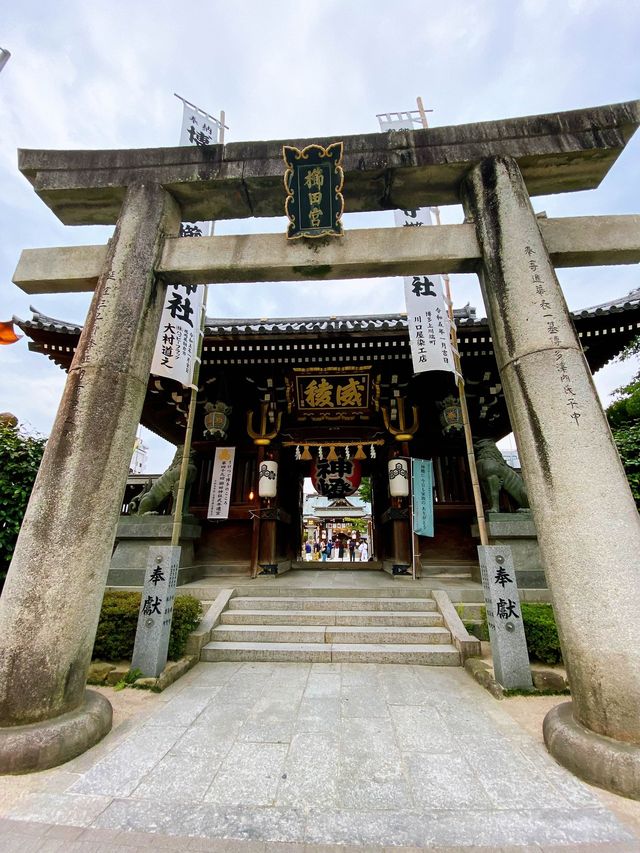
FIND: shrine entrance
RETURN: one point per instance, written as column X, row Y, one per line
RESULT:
column 585, row 515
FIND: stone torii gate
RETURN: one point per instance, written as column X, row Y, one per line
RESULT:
column 588, row 526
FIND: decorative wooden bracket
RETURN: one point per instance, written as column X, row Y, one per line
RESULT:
column 262, row 438
column 402, row 432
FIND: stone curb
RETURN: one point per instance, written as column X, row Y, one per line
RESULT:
column 172, row 672
column 202, row 634
column 467, row 645
column 481, row 672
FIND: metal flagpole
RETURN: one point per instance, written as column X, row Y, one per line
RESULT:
column 475, row 485
column 188, row 436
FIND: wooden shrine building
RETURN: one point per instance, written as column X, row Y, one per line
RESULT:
column 319, row 392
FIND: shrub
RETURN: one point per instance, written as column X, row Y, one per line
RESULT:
column 540, row 630
column 119, row 617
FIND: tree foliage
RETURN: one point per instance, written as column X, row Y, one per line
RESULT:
column 627, row 439
column 20, row 457
column 624, row 418
column 364, row 491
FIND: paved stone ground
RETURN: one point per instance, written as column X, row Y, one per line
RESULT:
column 269, row 758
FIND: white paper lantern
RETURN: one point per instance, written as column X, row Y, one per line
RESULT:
column 268, row 479
column 398, row 478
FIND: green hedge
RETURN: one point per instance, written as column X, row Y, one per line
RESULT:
column 118, row 619
column 541, row 632
column 539, row 628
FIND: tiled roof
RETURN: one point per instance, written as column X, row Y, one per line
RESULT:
column 465, row 317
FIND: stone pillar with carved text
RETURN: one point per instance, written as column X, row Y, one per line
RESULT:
column 51, row 600
column 587, row 522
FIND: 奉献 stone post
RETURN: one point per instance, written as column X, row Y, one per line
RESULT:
column 504, row 617
column 156, row 610
column 587, row 522
column 51, row 601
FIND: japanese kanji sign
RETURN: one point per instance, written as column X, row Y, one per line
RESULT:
column 332, row 392
column 427, row 313
column 336, row 478
column 313, row 182
column 220, row 495
column 422, row 496
column 177, row 343
column 504, row 617
column 176, row 346
column 156, row 610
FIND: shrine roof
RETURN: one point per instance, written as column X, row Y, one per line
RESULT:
column 214, row 326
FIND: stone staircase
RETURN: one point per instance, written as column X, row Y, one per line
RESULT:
column 365, row 626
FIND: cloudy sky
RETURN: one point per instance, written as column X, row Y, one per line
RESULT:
column 85, row 74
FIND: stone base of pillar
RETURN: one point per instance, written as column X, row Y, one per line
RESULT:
column 518, row 531
column 599, row 760
column 38, row 746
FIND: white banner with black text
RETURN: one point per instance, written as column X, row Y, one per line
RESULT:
column 221, row 480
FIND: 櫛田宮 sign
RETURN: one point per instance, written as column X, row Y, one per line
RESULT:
column 313, row 182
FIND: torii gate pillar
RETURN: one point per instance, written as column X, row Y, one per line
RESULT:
column 588, row 526
column 50, row 605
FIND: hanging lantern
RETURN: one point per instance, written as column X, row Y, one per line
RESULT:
column 398, row 478
column 450, row 414
column 216, row 420
column 268, row 479
column 336, row 479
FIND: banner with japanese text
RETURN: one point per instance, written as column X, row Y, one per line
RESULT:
column 177, row 343
column 176, row 346
column 429, row 324
column 221, row 480
column 422, row 496
column 427, row 311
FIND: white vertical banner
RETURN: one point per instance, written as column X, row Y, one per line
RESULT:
column 427, row 311
column 176, row 346
column 220, row 494
column 177, row 343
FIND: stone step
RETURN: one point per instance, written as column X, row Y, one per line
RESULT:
column 436, row 655
column 296, row 603
column 329, row 634
column 400, row 589
column 406, row 618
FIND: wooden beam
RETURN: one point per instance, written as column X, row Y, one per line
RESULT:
column 367, row 253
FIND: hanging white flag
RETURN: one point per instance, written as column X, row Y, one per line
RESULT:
column 427, row 312
column 429, row 324
column 177, row 343
column 176, row 346
column 198, row 127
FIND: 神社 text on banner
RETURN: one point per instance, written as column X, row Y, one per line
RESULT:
column 176, row 346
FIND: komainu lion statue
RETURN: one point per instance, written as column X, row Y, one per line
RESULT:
column 494, row 474
column 151, row 498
